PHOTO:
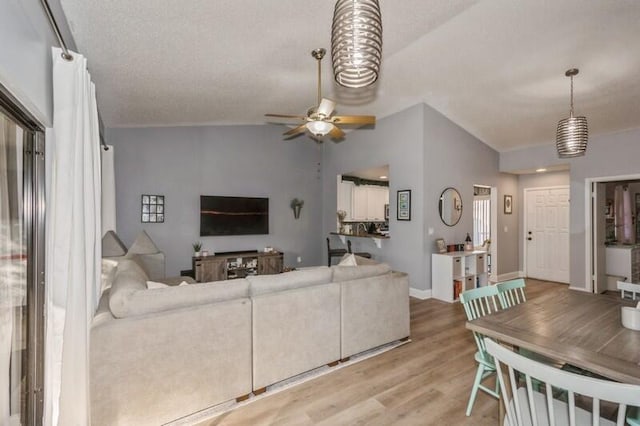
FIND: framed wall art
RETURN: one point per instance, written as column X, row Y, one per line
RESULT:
column 508, row 204
column 404, row 205
column 153, row 208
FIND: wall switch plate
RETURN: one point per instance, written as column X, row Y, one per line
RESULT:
column 299, row 259
column 430, row 230
column 506, row 229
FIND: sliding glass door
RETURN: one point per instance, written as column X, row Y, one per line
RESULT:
column 21, row 265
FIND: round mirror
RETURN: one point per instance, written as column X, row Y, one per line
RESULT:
column 450, row 206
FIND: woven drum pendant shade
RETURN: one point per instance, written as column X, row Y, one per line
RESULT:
column 573, row 133
column 356, row 42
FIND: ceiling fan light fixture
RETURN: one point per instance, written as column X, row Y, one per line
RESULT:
column 356, row 42
column 319, row 128
column 572, row 134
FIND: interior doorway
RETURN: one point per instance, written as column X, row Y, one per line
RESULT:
column 612, row 231
column 546, row 239
column 485, row 225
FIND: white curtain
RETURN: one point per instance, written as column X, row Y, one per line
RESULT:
column 108, row 190
column 625, row 232
column 72, row 241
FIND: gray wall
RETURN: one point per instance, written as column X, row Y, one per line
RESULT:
column 607, row 155
column 453, row 157
column 25, row 54
column 397, row 141
column 426, row 153
column 508, row 225
column 183, row 163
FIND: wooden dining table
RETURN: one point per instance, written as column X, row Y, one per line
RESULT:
column 573, row 327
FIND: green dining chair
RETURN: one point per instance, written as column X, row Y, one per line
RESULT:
column 511, row 293
column 478, row 303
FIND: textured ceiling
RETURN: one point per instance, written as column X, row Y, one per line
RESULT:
column 496, row 67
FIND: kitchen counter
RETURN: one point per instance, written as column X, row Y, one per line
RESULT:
column 377, row 238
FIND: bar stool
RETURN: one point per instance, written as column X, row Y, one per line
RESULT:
column 361, row 254
column 333, row 252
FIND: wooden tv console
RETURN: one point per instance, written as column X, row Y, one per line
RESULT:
column 236, row 265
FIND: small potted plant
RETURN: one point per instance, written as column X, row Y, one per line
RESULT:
column 197, row 246
column 296, row 205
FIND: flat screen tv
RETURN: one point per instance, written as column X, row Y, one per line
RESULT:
column 233, row 215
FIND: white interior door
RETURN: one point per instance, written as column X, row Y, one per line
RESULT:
column 547, row 233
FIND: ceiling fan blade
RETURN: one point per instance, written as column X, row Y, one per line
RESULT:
column 296, row 130
column 336, row 133
column 326, row 107
column 286, row 117
column 354, row 119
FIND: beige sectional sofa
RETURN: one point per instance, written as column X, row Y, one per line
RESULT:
column 160, row 354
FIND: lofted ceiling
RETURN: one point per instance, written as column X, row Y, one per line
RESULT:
column 496, row 68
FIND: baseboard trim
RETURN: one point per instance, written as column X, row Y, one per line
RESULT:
column 510, row 276
column 419, row 294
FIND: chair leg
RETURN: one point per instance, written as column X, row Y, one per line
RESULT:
column 474, row 389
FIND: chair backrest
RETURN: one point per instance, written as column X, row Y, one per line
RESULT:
column 511, row 293
column 525, row 406
column 477, row 303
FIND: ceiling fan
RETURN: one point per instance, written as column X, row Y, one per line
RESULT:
column 319, row 122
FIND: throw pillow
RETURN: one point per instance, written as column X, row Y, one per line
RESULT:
column 151, row 285
column 348, row 260
column 112, row 245
column 143, row 245
column 108, row 274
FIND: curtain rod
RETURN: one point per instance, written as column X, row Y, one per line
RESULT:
column 65, row 52
column 54, row 25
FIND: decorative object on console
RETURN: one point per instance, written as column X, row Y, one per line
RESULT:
column 404, row 205
column 296, row 206
column 441, row 246
column 573, row 132
column 468, row 244
column 508, row 204
column 318, row 121
column 152, row 208
column 356, row 42
column 197, row 246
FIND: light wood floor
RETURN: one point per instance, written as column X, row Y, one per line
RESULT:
column 425, row 382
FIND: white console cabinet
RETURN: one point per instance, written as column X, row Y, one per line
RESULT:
column 455, row 272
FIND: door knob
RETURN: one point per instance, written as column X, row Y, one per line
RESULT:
column 529, row 238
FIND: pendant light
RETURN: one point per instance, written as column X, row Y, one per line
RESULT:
column 572, row 134
column 356, row 42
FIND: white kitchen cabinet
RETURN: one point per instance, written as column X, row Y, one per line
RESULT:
column 360, row 202
column 368, row 202
column 455, row 272
column 345, row 191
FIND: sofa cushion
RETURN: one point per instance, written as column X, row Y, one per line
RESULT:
column 348, row 273
column 130, row 278
column 262, row 284
column 112, row 245
column 140, row 301
column 107, row 274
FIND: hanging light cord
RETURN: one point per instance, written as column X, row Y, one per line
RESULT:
column 319, row 80
column 571, row 111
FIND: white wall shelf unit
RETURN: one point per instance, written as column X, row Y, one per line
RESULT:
column 455, row 272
